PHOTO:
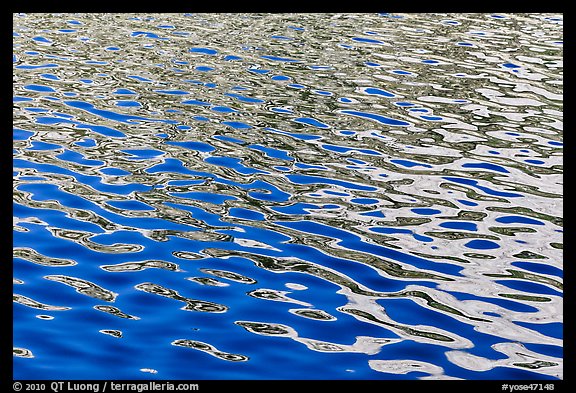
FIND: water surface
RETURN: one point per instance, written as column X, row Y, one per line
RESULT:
column 288, row 196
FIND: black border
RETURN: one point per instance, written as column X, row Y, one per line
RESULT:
column 309, row 6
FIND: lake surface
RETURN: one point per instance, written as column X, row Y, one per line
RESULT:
column 288, row 196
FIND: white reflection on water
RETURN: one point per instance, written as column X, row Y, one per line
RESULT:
column 414, row 157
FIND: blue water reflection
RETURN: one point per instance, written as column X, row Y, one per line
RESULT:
column 357, row 196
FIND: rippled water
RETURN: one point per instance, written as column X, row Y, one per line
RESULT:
column 288, row 196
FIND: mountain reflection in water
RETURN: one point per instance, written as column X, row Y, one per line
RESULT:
column 288, row 196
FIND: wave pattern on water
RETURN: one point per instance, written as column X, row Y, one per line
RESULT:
column 357, row 196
